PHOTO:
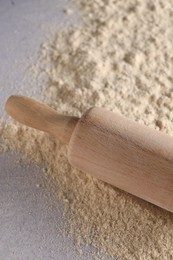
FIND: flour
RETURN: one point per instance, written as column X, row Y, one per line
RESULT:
column 121, row 59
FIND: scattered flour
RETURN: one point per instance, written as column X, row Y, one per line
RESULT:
column 121, row 59
column 68, row 11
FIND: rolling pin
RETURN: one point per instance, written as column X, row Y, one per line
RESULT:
column 112, row 148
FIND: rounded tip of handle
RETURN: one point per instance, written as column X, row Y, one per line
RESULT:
column 9, row 103
column 19, row 107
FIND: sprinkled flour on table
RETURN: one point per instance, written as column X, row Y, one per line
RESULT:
column 121, row 58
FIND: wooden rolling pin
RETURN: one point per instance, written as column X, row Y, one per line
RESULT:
column 130, row 156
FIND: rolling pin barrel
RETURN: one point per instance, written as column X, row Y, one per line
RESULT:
column 130, row 156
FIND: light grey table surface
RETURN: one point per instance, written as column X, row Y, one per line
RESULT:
column 28, row 230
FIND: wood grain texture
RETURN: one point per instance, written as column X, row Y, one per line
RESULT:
column 40, row 116
column 130, row 156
